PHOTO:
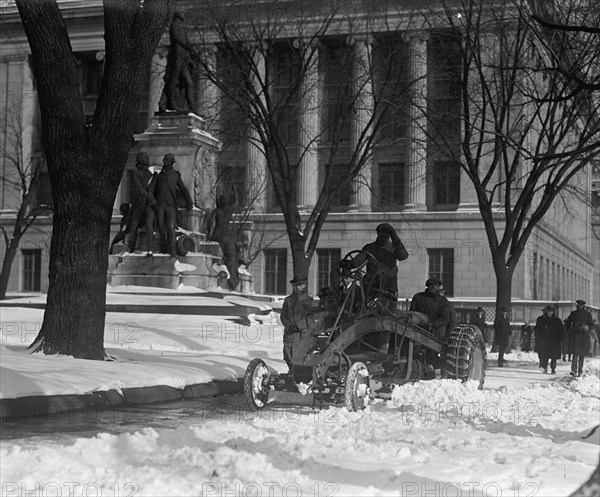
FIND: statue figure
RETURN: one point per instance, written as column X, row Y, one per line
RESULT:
column 222, row 233
column 167, row 188
column 143, row 202
column 178, row 72
column 125, row 210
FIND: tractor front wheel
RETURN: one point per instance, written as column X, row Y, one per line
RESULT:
column 466, row 356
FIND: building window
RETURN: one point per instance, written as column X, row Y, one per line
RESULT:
column 275, row 271
column 441, row 265
column 339, row 173
column 446, row 183
column 327, row 259
column 391, row 86
column 391, row 184
column 336, row 61
column 284, row 87
column 32, row 269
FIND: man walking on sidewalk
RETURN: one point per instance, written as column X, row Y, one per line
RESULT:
column 550, row 330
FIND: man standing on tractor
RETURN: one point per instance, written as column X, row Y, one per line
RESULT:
column 387, row 249
column 293, row 317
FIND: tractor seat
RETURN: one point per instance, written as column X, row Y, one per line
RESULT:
column 419, row 318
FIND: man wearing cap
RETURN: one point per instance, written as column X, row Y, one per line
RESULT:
column 437, row 308
column 502, row 333
column 433, row 304
column 579, row 323
column 293, row 316
column 167, row 188
column 143, row 202
column 387, row 249
column 549, row 331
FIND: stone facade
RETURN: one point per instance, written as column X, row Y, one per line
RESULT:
column 558, row 264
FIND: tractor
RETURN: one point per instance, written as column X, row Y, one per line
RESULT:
column 358, row 345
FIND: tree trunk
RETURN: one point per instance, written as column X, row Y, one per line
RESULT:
column 86, row 162
column 75, row 310
column 503, row 284
column 9, row 257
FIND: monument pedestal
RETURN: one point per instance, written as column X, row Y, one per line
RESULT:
column 184, row 136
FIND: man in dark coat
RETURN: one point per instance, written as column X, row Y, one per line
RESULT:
column 501, row 334
column 437, row 308
column 550, row 330
column 387, row 249
column 166, row 187
column 479, row 321
column 143, row 202
column 293, row 317
column 579, row 323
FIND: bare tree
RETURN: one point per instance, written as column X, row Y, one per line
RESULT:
column 24, row 176
column 86, row 162
column 524, row 138
column 267, row 71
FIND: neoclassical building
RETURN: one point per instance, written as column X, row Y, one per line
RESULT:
column 405, row 182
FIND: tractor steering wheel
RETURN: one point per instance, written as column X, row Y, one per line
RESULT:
column 360, row 264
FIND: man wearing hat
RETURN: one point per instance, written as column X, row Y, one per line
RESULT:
column 293, row 317
column 578, row 324
column 549, row 332
column 387, row 249
column 167, row 188
column 502, row 333
column 437, row 308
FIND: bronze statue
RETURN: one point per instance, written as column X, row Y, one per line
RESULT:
column 178, row 74
column 167, row 188
column 222, row 233
column 143, row 202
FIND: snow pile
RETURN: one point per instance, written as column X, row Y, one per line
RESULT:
column 388, row 449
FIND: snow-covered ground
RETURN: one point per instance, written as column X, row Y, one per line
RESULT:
column 524, row 434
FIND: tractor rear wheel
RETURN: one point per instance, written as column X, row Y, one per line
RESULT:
column 466, row 356
column 358, row 388
column 256, row 384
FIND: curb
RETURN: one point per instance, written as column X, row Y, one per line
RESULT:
column 60, row 407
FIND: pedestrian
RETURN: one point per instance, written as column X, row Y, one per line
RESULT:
column 502, row 333
column 167, row 188
column 479, row 321
column 579, row 323
column 293, row 317
column 550, row 330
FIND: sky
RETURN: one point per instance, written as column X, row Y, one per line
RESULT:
column 524, row 434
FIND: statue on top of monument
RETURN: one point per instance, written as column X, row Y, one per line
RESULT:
column 178, row 75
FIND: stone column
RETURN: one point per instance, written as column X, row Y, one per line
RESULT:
column 417, row 144
column 309, row 129
column 158, row 67
column 363, row 113
column 256, row 173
